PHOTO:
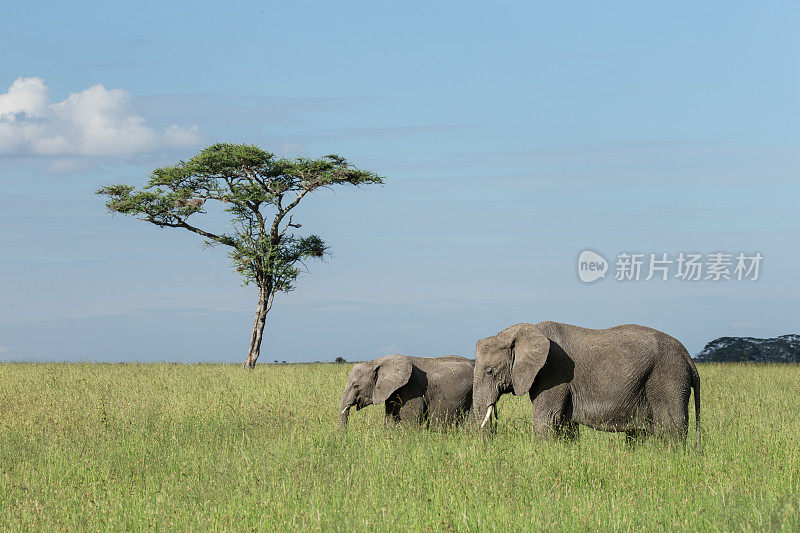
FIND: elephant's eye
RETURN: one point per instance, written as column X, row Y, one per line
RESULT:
column 489, row 371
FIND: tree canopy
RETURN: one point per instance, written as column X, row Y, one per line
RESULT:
column 258, row 190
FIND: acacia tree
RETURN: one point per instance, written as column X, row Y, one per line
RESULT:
column 257, row 190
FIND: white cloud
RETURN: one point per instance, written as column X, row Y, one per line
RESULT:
column 26, row 96
column 93, row 122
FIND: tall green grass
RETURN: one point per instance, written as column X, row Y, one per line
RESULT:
column 135, row 446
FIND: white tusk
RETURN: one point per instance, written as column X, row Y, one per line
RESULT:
column 488, row 415
column 344, row 410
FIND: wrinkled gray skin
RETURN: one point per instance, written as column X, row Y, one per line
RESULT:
column 627, row 378
column 418, row 389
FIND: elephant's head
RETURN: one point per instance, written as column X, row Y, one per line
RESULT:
column 506, row 362
column 373, row 382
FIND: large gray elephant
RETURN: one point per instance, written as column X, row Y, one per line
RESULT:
column 627, row 378
column 419, row 389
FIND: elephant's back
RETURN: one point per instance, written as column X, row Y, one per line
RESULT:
column 458, row 361
column 444, row 358
column 630, row 338
column 448, row 375
column 451, row 362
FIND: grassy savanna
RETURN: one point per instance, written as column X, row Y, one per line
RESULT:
column 135, row 446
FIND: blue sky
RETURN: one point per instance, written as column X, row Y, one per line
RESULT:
column 512, row 135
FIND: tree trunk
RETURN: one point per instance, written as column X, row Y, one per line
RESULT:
column 264, row 305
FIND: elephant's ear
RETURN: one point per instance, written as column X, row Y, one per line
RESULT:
column 393, row 371
column 529, row 350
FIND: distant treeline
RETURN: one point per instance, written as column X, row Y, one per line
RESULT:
column 782, row 349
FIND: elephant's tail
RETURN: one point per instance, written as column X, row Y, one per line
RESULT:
column 695, row 376
column 696, row 387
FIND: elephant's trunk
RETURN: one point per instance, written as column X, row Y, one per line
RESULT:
column 343, row 415
column 344, row 408
column 484, row 406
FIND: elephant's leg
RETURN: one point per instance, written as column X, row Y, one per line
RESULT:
column 669, row 417
column 446, row 414
column 422, row 412
column 668, row 405
column 571, row 431
column 392, row 414
column 412, row 412
column 552, row 413
column 634, row 437
column 541, row 429
column 669, row 425
column 566, row 430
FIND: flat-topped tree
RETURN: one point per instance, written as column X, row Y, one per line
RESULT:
column 257, row 190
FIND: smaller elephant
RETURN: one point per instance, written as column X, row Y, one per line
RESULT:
column 422, row 390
